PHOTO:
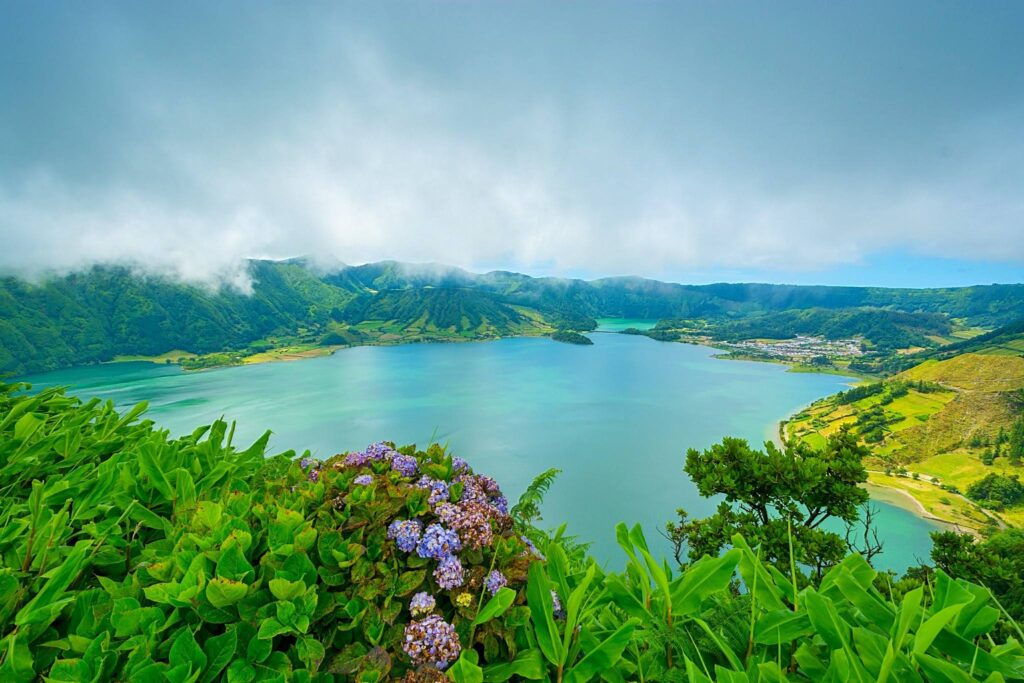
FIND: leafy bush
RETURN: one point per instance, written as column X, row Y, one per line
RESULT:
column 127, row 555
column 997, row 488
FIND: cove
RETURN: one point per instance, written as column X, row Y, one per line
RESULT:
column 616, row 417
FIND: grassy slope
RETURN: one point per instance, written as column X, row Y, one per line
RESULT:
column 931, row 432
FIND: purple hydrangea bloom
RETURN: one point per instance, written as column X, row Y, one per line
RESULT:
column 459, row 465
column 406, row 533
column 494, row 581
column 557, row 612
column 357, row 458
column 305, row 462
column 404, row 465
column 314, row 475
column 431, row 641
column 449, row 573
column 421, row 604
column 438, row 542
column 501, row 504
column 471, row 520
column 380, row 451
column 438, row 489
column 363, row 480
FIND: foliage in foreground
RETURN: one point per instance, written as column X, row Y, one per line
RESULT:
column 127, row 555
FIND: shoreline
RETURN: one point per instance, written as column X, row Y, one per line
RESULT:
column 905, row 500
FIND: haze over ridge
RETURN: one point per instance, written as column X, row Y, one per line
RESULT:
column 680, row 142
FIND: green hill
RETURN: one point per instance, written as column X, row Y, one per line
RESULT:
column 293, row 308
column 939, row 427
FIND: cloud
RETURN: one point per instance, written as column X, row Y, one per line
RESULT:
column 371, row 159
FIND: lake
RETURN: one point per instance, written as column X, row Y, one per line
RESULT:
column 616, row 417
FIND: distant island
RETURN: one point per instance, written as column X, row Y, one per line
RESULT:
column 570, row 337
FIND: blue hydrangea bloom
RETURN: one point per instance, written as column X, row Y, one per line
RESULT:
column 438, row 542
column 421, row 603
column 363, row 480
column 494, row 581
column 404, row 465
column 406, row 533
column 449, row 573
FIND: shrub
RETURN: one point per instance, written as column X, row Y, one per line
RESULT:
column 1005, row 490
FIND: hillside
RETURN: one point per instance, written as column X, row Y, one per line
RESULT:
column 938, row 428
column 295, row 309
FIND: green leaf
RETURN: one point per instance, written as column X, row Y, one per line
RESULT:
column 538, row 595
column 706, row 576
column 232, row 563
column 464, row 670
column 270, row 628
column 223, row 592
column 782, row 626
column 528, row 665
column 940, row 671
column 496, row 606
column 220, row 650
column 282, row 589
column 45, row 606
column 186, row 651
column 151, row 469
column 605, row 655
column 931, row 628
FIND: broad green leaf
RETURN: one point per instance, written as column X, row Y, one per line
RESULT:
column 223, row 592
column 528, row 665
column 220, row 650
column 496, row 606
column 538, row 595
column 605, row 655
column 706, row 576
column 931, row 627
column 465, row 670
column 186, row 651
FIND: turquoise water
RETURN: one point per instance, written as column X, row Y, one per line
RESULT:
column 616, row 417
column 619, row 324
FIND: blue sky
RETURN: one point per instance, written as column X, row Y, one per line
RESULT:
column 864, row 143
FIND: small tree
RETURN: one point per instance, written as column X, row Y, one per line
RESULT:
column 776, row 499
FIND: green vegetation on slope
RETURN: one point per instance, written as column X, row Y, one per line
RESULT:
column 106, row 312
column 131, row 556
column 939, row 427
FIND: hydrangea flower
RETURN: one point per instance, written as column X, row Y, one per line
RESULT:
column 501, row 504
column 471, row 520
column 557, row 612
column 380, row 451
column 406, row 533
column 494, row 581
column 438, row 542
column 305, row 462
column 404, row 465
column 357, row 458
column 375, row 451
column 438, row 489
column 449, row 573
column 363, row 480
column 422, row 603
column 459, row 465
column 431, row 641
